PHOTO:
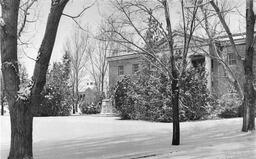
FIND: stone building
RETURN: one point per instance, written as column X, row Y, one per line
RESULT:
column 199, row 53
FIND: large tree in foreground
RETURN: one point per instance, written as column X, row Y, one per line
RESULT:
column 249, row 91
column 1, row 94
column 23, row 101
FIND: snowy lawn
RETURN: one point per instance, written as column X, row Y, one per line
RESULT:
column 79, row 137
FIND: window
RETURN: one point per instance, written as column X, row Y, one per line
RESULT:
column 120, row 70
column 197, row 60
column 135, row 68
column 231, row 59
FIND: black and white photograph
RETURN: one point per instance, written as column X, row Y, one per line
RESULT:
column 127, row 79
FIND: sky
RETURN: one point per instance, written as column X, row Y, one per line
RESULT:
column 34, row 32
column 91, row 19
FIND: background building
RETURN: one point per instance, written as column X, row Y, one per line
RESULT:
column 200, row 53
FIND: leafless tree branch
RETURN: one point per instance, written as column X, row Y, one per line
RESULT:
column 79, row 15
column 28, row 4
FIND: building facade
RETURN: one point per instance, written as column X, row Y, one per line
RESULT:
column 119, row 66
column 218, row 82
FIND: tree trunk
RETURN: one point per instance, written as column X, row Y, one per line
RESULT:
column 73, row 98
column 2, row 105
column 21, row 109
column 174, row 78
column 102, row 82
column 2, row 99
column 21, row 130
column 76, row 91
column 249, row 92
column 175, row 111
column 2, row 94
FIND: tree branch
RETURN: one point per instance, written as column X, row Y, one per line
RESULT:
column 225, row 26
column 25, row 12
column 79, row 15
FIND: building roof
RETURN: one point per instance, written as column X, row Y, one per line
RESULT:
column 239, row 39
column 122, row 57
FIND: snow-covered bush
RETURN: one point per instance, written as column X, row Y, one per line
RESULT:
column 53, row 103
column 230, row 105
column 147, row 97
column 89, row 108
column 124, row 103
column 196, row 102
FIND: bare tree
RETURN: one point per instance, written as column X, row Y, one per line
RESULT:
column 23, row 102
column 98, row 58
column 78, row 47
column 98, row 61
column 131, row 33
column 2, row 93
column 209, row 22
column 249, row 91
column 24, row 16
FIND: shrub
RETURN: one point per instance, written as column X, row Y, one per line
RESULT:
column 52, row 103
column 148, row 98
column 135, row 99
column 196, row 102
column 230, row 106
column 91, row 103
column 89, row 108
column 56, row 98
column 124, row 103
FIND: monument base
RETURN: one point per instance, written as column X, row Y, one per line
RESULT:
column 106, row 107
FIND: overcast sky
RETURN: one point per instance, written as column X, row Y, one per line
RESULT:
column 34, row 33
column 91, row 18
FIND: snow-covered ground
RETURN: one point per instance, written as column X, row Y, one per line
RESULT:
column 80, row 137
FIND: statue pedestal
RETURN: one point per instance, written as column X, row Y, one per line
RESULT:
column 106, row 107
